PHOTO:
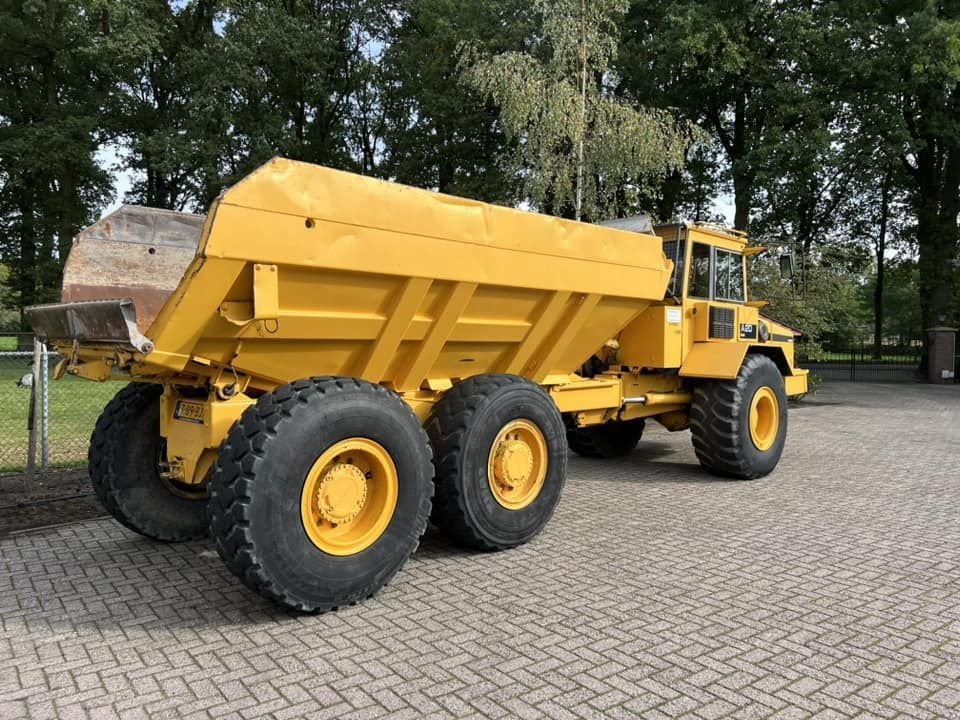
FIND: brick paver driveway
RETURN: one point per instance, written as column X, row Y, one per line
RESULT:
column 831, row 588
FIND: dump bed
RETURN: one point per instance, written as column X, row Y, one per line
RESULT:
column 301, row 270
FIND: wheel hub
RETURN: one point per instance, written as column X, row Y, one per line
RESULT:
column 517, row 465
column 764, row 419
column 349, row 496
column 341, row 493
column 512, row 463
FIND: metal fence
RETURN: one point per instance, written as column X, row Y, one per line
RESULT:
column 859, row 361
column 44, row 424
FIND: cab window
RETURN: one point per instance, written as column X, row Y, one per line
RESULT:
column 715, row 274
column 729, row 278
column 699, row 271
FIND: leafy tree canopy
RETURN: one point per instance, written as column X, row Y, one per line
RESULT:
column 581, row 149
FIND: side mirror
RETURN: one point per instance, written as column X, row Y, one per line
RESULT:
column 786, row 266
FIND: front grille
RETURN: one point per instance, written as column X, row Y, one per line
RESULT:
column 721, row 323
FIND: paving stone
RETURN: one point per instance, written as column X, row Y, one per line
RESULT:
column 825, row 590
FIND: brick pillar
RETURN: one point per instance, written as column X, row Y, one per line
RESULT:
column 941, row 345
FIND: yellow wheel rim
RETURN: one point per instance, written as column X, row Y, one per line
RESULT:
column 764, row 418
column 517, row 465
column 349, row 496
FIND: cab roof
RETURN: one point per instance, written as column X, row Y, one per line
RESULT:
column 709, row 232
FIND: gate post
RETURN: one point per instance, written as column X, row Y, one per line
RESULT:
column 35, row 405
column 45, row 405
column 941, row 342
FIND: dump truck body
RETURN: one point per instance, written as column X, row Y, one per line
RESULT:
column 303, row 270
column 446, row 304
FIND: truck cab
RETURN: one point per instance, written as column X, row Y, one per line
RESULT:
column 706, row 323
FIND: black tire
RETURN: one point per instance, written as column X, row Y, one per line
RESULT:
column 720, row 421
column 610, row 440
column 124, row 456
column 259, row 476
column 463, row 427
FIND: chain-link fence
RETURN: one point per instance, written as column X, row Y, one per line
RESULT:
column 44, row 423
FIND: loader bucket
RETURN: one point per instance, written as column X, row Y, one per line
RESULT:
column 119, row 274
column 110, row 322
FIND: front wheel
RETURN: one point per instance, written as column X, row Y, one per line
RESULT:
column 739, row 427
column 321, row 492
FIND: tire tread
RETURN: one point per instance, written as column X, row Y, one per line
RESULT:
column 235, row 471
column 108, row 434
column 715, row 425
column 446, row 426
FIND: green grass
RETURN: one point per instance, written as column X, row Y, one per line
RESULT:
column 7, row 343
column 73, row 403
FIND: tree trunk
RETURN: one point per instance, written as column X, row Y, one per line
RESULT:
column 669, row 197
column 583, row 106
column 937, row 204
column 937, row 234
column 742, row 191
column 26, row 269
column 881, row 248
column 446, row 172
column 938, row 246
column 69, row 221
column 742, row 178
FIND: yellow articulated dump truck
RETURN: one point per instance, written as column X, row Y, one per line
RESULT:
column 325, row 362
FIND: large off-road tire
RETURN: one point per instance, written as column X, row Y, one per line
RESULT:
column 501, row 460
column 739, row 427
column 124, row 461
column 321, row 492
column 610, row 440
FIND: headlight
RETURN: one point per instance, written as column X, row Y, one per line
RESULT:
column 764, row 332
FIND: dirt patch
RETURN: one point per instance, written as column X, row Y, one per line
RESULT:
column 49, row 499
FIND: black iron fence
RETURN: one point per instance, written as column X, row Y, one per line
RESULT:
column 862, row 361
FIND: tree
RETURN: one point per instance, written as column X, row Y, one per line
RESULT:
column 9, row 311
column 875, row 217
column 901, row 65
column 54, row 70
column 302, row 83
column 215, row 88
column 901, row 300
column 828, row 306
column 173, row 135
column 732, row 67
column 440, row 132
column 581, row 150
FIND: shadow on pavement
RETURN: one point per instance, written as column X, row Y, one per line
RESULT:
column 651, row 463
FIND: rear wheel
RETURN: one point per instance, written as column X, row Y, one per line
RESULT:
column 500, row 460
column 610, row 440
column 739, row 427
column 126, row 452
column 321, row 492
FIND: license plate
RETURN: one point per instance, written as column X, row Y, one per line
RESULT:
column 189, row 412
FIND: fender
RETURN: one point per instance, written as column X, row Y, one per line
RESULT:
column 715, row 360
column 722, row 360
